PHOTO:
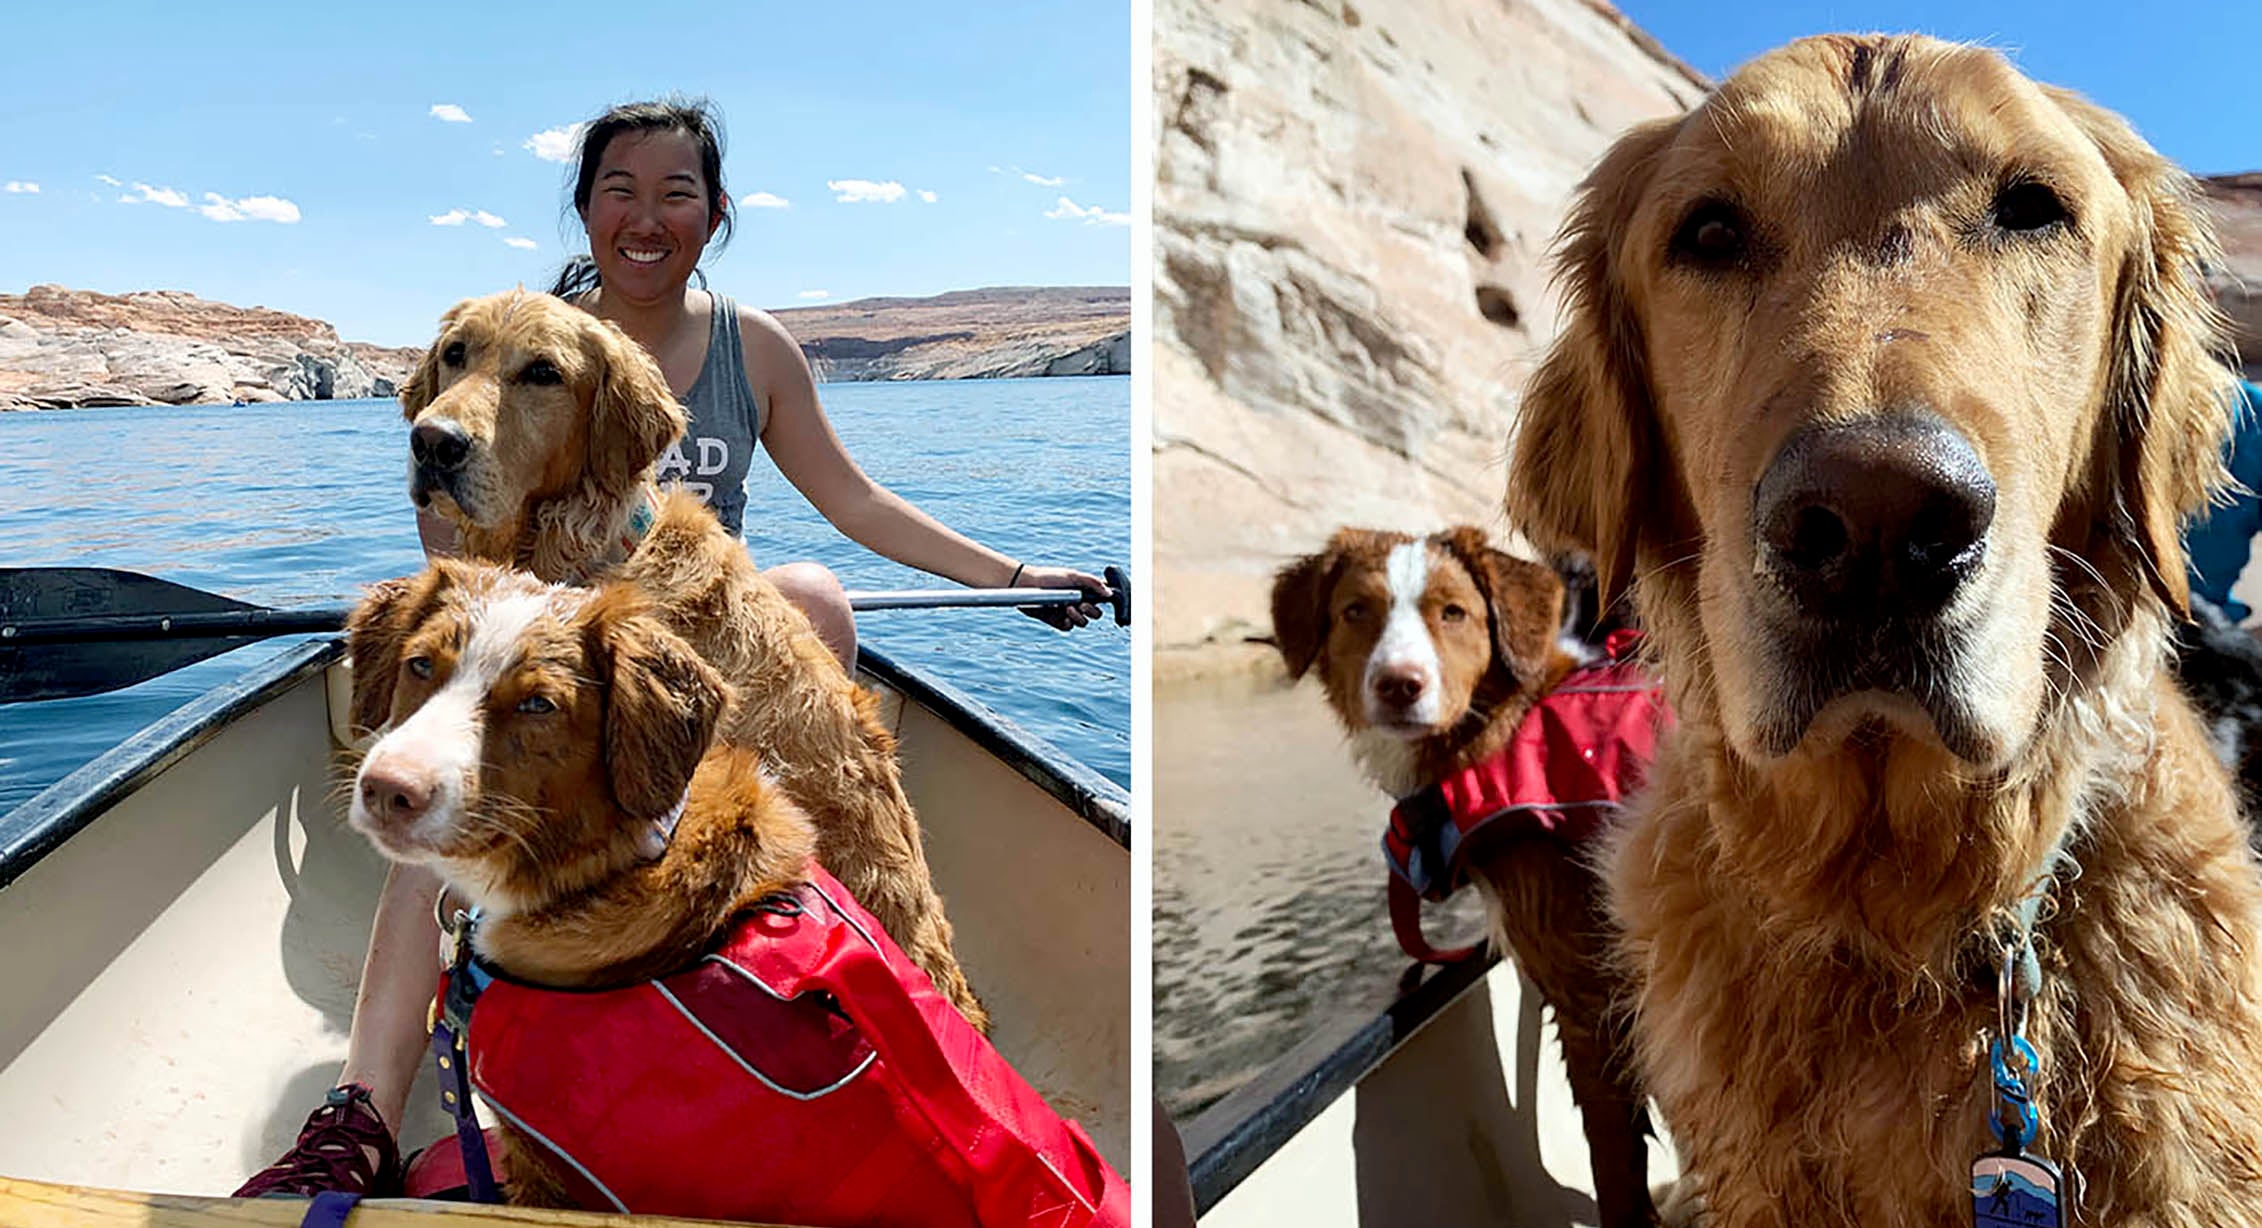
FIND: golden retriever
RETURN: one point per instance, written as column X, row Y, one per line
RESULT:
column 536, row 427
column 1886, row 386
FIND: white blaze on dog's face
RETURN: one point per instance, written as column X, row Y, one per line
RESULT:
column 1894, row 346
column 1421, row 648
column 531, row 735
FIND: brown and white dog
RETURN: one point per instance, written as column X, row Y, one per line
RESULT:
column 536, row 427
column 1431, row 651
column 1887, row 384
column 535, row 738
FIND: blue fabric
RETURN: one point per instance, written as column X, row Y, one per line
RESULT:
column 2219, row 544
column 330, row 1209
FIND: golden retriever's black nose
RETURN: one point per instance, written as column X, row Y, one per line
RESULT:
column 1879, row 518
column 439, row 445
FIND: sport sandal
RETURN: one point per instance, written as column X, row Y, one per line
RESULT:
column 330, row 1153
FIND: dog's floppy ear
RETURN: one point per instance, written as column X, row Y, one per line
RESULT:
column 375, row 632
column 2169, row 392
column 1523, row 598
column 423, row 386
column 1585, row 449
column 661, row 704
column 633, row 417
column 1299, row 603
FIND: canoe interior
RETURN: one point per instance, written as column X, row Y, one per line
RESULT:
column 185, row 921
column 1450, row 1107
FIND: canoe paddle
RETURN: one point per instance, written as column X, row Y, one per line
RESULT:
column 70, row 631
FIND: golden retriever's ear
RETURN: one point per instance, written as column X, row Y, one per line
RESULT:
column 1299, row 605
column 661, row 705
column 633, row 417
column 2169, row 390
column 1585, row 450
column 375, row 631
column 1524, row 600
column 423, row 386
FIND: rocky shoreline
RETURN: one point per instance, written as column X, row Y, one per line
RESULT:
column 999, row 333
column 62, row 348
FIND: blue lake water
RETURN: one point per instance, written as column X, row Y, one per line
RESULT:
column 304, row 503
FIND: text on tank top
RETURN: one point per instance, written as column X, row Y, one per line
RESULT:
column 725, row 427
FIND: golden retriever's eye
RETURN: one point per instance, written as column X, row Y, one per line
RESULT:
column 536, row 705
column 1713, row 236
column 453, row 354
column 1355, row 613
column 1453, row 612
column 2027, row 207
column 419, row 667
column 541, row 371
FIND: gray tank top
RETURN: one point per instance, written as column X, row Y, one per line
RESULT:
column 726, row 425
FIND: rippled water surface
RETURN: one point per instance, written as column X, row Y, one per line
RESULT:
column 1269, row 916
column 305, row 503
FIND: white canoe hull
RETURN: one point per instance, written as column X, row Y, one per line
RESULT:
column 179, row 972
column 1453, row 1108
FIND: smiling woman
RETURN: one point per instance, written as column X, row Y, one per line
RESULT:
column 649, row 192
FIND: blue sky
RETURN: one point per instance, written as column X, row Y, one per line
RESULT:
column 326, row 114
column 2188, row 75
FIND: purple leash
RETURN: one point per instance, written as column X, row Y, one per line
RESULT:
column 449, row 1032
column 329, row 1210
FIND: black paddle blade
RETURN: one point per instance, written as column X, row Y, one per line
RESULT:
column 69, row 670
column 71, row 631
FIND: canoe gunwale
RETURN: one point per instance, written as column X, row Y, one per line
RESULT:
column 53, row 815
column 1235, row 1136
column 1094, row 798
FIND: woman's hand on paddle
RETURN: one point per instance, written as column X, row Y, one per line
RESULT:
column 1065, row 617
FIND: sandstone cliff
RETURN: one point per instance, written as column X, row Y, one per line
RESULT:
column 2236, row 201
column 1352, row 211
column 63, row 347
column 969, row 334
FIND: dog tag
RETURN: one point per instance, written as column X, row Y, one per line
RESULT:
column 2015, row 1191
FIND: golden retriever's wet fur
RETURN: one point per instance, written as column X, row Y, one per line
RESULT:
column 565, row 417
column 1813, row 927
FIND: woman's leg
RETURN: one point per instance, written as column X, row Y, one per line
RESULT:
column 814, row 588
column 387, row 1045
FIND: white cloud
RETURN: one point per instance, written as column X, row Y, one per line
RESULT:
column 554, row 144
column 814, row 294
column 457, row 217
column 251, row 208
column 1093, row 216
column 115, row 183
column 20, row 187
column 927, row 196
column 520, row 242
column 764, row 200
column 853, row 191
column 449, row 113
column 1042, row 181
column 269, row 209
column 156, row 196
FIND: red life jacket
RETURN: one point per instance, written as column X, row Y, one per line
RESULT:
column 1565, row 773
column 806, row 1072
